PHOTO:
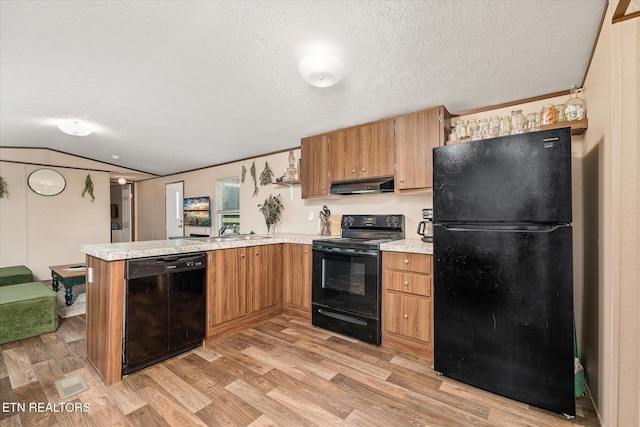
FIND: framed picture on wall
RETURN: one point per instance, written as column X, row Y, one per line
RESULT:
column 197, row 211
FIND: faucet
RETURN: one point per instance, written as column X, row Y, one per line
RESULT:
column 222, row 230
column 235, row 228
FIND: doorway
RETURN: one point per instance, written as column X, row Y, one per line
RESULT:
column 126, row 213
column 121, row 213
column 173, row 197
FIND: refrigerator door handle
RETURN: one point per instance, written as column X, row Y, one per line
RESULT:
column 503, row 228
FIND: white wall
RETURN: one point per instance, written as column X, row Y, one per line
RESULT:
column 150, row 201
column 41, row 231
column 611, row 341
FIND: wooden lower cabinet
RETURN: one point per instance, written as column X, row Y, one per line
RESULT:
column 265, row 276
column 407, row 304
column 244, row 288
column 104, row 318
column 227, row 285
column 296, row 279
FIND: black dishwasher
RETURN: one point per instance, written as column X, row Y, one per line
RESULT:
column 164, row 308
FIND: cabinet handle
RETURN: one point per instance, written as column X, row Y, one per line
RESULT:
column 406, row 283
column 257, row 253
column 353, row 171
column 242, row 256
column 364, row 170
column 406, row 261
column 323, row 187
column 401, row 179
column 306, row 252
column 406, row 316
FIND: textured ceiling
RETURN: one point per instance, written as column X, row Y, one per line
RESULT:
column 174, row 86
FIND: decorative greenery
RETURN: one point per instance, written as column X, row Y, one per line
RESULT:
column 3, row 188
column 266, row 177
column 243, row 173
column 88, row 187
column 253, row 176
column 271, row 209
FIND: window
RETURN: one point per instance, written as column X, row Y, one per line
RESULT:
column 229, row 205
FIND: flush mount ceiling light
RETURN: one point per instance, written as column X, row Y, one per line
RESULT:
column 321, row 69
column 74, row 127
column 122, row 180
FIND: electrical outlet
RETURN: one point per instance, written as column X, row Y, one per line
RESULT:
column 310, row 215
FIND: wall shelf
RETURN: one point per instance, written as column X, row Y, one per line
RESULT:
column 577, row 128
column 289, row 184
column 295, row 182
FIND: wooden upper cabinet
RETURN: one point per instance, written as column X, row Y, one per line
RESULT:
column 375, row 142
column 417, row 134
column 362, row 152
column 314, row 173
column 343, row 152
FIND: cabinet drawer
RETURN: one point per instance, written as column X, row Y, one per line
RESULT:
column 419, row 263
column 408, row 315
column 407, row 282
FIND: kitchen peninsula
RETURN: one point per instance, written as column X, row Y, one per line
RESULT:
column 249, row 279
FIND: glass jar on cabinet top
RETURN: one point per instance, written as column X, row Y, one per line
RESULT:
column 494, row 126
column 517, row 121
column 547, row 115
column 559, row 112
column 532, row 122
column 505, row 126
column 461, row 129
column 472, row 129
column 575, row 107
column 483, row 128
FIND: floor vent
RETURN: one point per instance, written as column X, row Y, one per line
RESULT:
column 71, row 385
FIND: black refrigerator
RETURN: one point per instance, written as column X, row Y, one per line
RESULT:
column 503, row 281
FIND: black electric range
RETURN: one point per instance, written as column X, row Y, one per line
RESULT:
column 346, row 276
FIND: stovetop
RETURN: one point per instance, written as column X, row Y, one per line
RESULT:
column 366, row 231
column 350, row 241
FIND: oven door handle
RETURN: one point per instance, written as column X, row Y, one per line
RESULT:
column 342, row 317
column 348, row 251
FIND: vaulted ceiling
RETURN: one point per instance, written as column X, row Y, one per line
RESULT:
column 171, row 86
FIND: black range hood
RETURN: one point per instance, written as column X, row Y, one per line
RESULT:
column 377, row 185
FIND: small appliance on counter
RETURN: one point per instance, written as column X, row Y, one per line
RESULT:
column 425, row 228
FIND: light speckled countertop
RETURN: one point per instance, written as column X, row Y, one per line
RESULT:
column 129, row 250
column 408, row 245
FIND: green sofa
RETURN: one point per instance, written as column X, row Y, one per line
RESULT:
column 28, row 308
column 14, row 275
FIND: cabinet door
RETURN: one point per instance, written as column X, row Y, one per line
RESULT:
column 266, row 276
column 228, row 296
column 343, row 152
column 417, row 134
column 408, row 315
column 375, row 147
column 297, row 275
column 314, row 173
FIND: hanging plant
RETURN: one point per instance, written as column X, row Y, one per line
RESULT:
column 3, row 188
column 266, row 177
column 253, row 176
column 88, row 187
column 272, row 210
column 243, row 173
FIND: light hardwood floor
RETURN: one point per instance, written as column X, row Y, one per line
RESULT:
column 281, row 372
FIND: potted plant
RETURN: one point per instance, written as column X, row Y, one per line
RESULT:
column 272, row 210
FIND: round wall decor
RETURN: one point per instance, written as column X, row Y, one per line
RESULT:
column 46, row 182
